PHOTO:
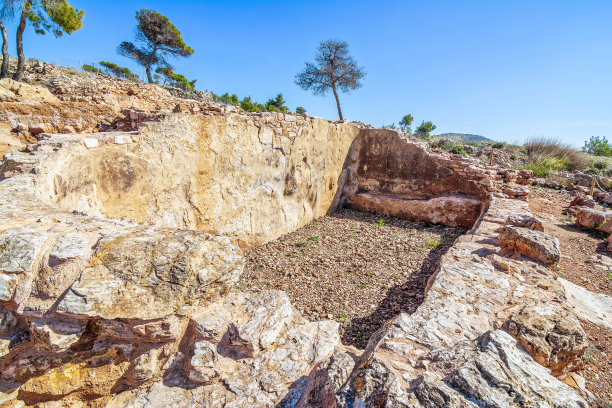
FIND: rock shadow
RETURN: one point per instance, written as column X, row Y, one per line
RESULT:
column 404, row 298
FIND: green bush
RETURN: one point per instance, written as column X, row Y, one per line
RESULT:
column 300, row 109
column 599, row 146
column 546, row 166
column 600, row 165
column 453, row 147
column 542, row 149
column 498, row 145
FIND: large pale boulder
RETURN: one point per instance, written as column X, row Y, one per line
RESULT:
column 501, row 375
column 153, row 274
column 551, row 334
column 533, row 244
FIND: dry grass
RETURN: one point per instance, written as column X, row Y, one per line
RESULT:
column 546, row 155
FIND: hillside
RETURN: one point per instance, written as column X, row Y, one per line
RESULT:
column 464, row 137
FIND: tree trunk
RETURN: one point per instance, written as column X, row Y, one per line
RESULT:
column 20, row 57
column 337, row 102
column 5, row 54
column 149, row 63
column 149, row 77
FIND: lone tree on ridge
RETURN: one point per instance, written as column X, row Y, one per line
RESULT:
column 334, row 69
column 55, row 16
column 159, row 39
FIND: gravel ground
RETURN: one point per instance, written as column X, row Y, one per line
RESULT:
column 583, row 263
column 357, row 268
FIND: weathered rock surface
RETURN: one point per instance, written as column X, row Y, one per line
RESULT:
column 551, row 334
column 449, row 353
column 534, row 244
column 131, row 311
column 593, row 307
column 455, row 211
column 590, row 218
column 525, row 221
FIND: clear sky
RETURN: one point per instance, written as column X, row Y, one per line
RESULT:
column 508, row 70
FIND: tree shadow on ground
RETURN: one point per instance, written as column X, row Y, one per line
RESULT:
column 404, row 298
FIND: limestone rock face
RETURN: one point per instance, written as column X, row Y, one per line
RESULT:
column 153, row 274
column 501, row 375
column 534, row 244
column 551, row 334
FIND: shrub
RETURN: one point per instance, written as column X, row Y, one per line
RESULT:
column 498, row 145
column 600, row 165
column 300, row 109
column 546, row 166
column 598, row 145
column 91, row 68
column 559, row 155
column 453, row 147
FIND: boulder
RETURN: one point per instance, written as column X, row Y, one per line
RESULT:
column 533, row 244
column 552, row 335
column 590, row 218
column 501, row 375
column 525, row 221
column 154, row 274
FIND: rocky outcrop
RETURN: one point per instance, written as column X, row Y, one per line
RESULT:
column 534, row 244
column 552, row 336
column 120, row 252
column 451, row 351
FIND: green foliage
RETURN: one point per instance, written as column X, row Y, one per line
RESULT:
column 277, row 104
column 498, row 145
column 300, row 109
column 547, row 155
column 425, row 129
column 547, row 165
column 248, row 105
column 158, row 39
column 119, row 72
column 314, row 238
column 433, row 243
column 453, row 147
column 91, row 68
column 176, row 80
column 380, row 223
column 406, row 122
column 57, row 17
column 598, row 146
column 301, row 244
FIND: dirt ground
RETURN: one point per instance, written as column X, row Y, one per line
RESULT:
column 357, row 268
column 583, row 262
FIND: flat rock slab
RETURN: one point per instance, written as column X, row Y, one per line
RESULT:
column 594, row 307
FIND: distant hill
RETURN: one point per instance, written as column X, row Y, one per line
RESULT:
column 464, row 137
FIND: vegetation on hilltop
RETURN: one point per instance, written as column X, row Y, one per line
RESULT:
column 55, row 16
column 159, row 39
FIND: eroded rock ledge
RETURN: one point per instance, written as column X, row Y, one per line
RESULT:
column 140, row 312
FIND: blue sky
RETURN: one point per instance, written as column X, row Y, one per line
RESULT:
column 508, row 70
